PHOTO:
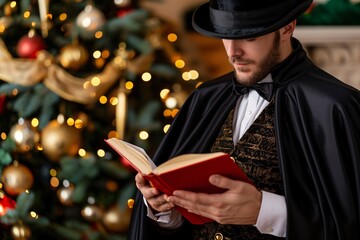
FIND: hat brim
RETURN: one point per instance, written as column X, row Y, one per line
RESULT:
column 201, row 22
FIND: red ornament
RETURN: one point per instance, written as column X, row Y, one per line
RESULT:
column 124, row 11
column 5, row 204
column 29, row 46
column 2, row 103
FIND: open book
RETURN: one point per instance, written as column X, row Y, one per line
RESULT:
column 184, row 172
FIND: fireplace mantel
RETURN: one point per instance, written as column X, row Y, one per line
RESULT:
column 328, row 34
column 336, row 49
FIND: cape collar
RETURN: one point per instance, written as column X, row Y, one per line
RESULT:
column 294, row 65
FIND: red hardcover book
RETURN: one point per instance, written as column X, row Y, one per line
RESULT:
column 184, row 172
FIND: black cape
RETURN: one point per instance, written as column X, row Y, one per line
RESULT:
column 317, row 124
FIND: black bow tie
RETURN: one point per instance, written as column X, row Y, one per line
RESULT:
column 265, row 90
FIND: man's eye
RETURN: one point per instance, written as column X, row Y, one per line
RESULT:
column 250, row 39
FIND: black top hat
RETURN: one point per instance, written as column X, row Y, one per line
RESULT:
column 240, row 19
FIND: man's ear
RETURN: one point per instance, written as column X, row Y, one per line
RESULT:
column 287, row 31
column 289, row 28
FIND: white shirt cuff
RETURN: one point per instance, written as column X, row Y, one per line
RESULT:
column 272, row 217
column 170, row 219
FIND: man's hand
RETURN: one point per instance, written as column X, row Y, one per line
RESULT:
column 156, row 200
column 239, row 204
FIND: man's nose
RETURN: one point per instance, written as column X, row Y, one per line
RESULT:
column 235, row 48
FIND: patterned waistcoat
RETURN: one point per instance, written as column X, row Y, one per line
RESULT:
column 256, row 154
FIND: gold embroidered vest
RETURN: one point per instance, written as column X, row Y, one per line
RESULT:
column 256, row 154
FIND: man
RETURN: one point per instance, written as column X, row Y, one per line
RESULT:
column 300, row 144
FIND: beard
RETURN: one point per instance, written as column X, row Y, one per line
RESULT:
column 264, row 67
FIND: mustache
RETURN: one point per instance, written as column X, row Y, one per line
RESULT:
column 239, row 60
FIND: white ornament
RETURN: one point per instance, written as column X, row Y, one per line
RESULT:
column 90, row 19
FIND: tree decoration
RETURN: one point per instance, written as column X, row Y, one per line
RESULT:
column 43, row 12
column 117, row 220
column 2, row 103
column 59, row 139
column 20, row 232
column 17, row 178
column 73, row 56
column 92, row 212
column 334, row 12
column 90, row 20
column 30, row 44
column 5, row 203
column 24, row 135
column 122, row 3
column 107, row 96
column 65, row 195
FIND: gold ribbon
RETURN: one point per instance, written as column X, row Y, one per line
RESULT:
column 28, row 72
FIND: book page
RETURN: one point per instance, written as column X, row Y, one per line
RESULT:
column 136, row 156
column 143, row 152
column 185, row 160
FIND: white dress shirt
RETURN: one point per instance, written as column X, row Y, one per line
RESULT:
column 272, row 216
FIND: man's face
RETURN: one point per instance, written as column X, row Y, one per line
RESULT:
column 253, row 58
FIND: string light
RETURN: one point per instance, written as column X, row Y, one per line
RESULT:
column 105, row 53
column 166, row 128
column 143, row 135
column 129, row 85
column 99, row 34
column 35, row 122
column 79, row 123
column 171, row 102
column 70, row 121
column 54, row 182
column 34, row 215
column 172, row 37
column 96, row 54
column 95, row 81
column 53, row 172
column 63, row 17
column 180, row 63
column 164, row 93
column 3, row 136
column 167, row 113
column 26, row 14
column 101, row 153
column 13, row 4
column 82, row 152
column 146, row 76
column 103, row 99
column 114, row 101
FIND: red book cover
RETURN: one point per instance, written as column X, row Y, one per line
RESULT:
column 189, row 172
column 195, row 178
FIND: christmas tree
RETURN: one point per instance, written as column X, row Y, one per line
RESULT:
column 332, row 12
column 73, row 73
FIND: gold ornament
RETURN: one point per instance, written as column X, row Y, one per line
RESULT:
column 64, row 194
column 59, row 140
column 20, row 232
column 92, row 213
column 117, row 220
column 24, row 135
column 73, row 56
column 17, row 178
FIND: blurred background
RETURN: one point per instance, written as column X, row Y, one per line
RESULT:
column 76, row 72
